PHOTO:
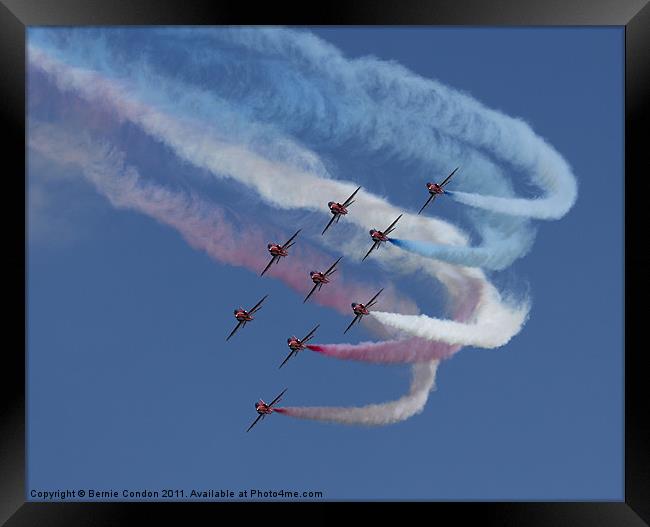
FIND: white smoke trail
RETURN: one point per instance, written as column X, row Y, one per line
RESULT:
column 422, row 383
column 484, row 331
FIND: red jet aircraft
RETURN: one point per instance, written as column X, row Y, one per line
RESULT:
column 378, row 236
column 264, row 409
column 278, row 251
column 435, row 189
column 321, row 278
column 360, row 310
column 295, row 344
column 339, row 209
column 244, row 316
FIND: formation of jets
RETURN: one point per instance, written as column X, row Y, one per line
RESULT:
column 319, row 279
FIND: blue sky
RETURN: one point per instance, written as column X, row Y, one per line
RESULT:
column 131, row 384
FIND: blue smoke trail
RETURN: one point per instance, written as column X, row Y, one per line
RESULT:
column 485, row 256
column 502, row 243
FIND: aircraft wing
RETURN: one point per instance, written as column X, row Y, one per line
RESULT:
column 352, row 323
column 330, row 270
column 310, row 293
column 291, row 239
column 257, row 306
column 334, row 216
column 431, row 198
column 291, row 354
column 277, row 398
column 349, row 200
column 392, row 225
column 448, row 177
column 269, row 265
column 234, row 330
column 310, row 334
column 374, row 246
column 255, row 422
column 369, row 303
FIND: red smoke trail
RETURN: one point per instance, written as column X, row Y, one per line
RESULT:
column 390, row 351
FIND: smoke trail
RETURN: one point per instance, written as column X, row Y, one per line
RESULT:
column 423, row 381
column 426, row 347
column 387, row 352
column 412, row 350
column 483, row 256
column 298, row 82
column 203, row 225
column 390, row 106
column 297, row 179
column 392, row 94
column 285, row 186
column 463, row 298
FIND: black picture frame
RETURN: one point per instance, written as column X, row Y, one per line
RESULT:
column 634, row 15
